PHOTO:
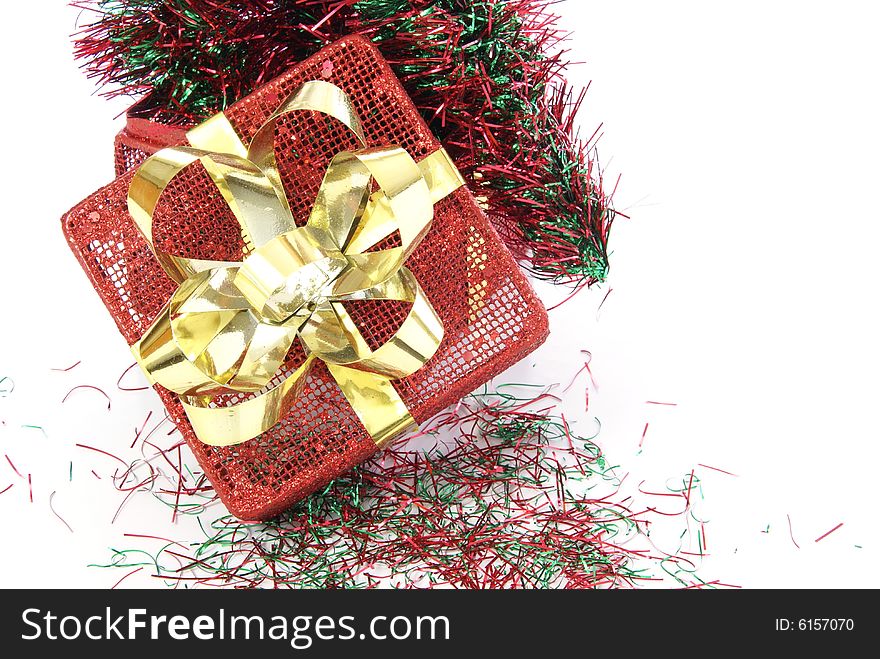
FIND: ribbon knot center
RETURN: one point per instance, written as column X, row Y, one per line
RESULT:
column 291, row 275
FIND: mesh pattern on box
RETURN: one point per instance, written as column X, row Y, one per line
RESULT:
column 491, row 316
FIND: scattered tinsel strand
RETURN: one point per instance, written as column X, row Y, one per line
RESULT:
column 507, row 504
column 488, row 77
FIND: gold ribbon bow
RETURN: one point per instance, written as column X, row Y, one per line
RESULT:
column 230, row 325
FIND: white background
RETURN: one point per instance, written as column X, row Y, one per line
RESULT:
column 742, row 287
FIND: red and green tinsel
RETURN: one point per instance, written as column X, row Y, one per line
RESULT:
column 508, row 500
column 487, row 76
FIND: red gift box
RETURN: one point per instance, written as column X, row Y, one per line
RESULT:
column 491, row 316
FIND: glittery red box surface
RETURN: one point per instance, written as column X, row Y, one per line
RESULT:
column 490, row 313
